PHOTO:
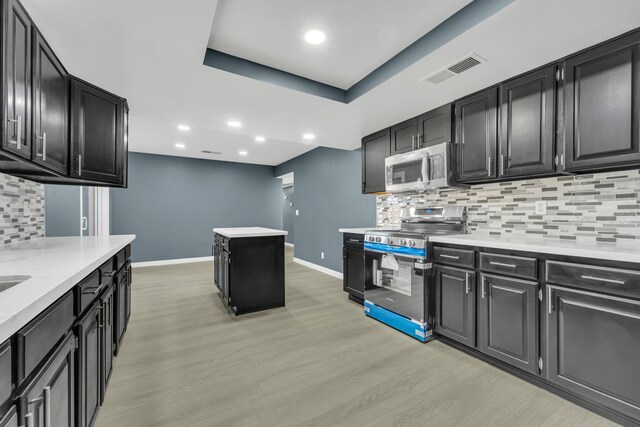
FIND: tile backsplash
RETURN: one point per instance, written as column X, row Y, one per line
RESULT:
column 16, row 194
column 603, row 207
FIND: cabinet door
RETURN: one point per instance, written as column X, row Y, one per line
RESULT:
column 456, row 304
column 128, row 301
column 6, row 372
column 527, row 126
column 602, row 100
column 404, row 136
column 90, row 336
column 17, row 79
column 435, row 126
column 121, row 317
column 353, row 280
column 476, row 129
column 10, row 418
column 50, row 104
column 97, row 134
column 508, row 321
column 108, row 347
column 375, row 148
column 49, row 398
column 593, row 343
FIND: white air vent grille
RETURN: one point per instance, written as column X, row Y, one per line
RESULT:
column 455, row 68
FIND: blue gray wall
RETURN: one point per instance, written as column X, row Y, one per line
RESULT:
column 328, row 194
column 288, row 212
column 173, row 203
column 62, row 210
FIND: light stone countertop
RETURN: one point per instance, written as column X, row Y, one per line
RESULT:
column 249, row 232
column 620, row 251
column 56, row 265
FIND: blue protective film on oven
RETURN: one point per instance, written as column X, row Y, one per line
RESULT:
column 400, row 250
column 414, row 329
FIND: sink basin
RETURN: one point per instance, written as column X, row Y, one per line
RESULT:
column 7, row 282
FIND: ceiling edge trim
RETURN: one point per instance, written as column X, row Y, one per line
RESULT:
column 458, row 23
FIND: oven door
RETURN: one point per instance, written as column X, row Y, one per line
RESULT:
column 407, row 172
column 397, row 281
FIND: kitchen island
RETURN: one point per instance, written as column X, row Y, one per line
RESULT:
column 249, row 268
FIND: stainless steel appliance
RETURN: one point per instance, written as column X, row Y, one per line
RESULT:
column 420, row 170
column 399, row 291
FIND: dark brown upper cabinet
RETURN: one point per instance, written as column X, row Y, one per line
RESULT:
column 375, row 148
column 435, row 127
column 50, row 105
column 602, row 104
column 98, row 143
column 527, row 113
column 404, row 136
column 17, row 34
column 476, row 131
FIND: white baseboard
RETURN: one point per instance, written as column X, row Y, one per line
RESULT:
column 319, row 268
column 171, row 261
column 288, row 244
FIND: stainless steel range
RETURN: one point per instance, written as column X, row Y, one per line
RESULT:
column 399, row 291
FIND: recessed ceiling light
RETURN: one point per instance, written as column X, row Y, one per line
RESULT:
column 179, row 145
column 234, row 124
column 309, row 136
column 242, row 152
column 260, row 138
column 184, row 127
column 315, row 37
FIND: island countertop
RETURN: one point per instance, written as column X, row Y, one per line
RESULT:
column 56, row 265
column 249, row 232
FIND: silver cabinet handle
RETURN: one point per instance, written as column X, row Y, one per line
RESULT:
column 602, row 279
column 550, row 302
column 47, row 406
column 44, row 146
column 502, row 264
column 18, row 122
column 502, row 164
column 413, row 142
column 420, row 140
column 79, row 164
column 489, row 166
column 484, row 281
column 466, row 283
column 449, row 256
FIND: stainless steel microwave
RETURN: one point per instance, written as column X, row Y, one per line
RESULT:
column 420, row 170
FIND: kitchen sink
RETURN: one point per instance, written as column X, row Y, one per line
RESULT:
column 7, row 282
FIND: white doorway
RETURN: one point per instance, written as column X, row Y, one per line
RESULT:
column 94, row 211
column 288, row 207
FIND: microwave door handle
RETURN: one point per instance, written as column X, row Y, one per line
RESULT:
column 426, row 169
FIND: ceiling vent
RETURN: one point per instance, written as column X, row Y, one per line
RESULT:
column 455, row 68
column 211, row 152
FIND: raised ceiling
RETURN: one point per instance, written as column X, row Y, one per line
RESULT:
column 361, row 34
column 152, row 53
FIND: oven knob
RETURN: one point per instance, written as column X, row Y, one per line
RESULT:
column 403, row 242
column 378, row 239
column 390, row 241
column 412, row 243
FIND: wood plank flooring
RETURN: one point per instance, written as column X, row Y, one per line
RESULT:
column 186, row 361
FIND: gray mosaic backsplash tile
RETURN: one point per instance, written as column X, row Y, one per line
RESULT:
column 15, row 223
column 599, row 207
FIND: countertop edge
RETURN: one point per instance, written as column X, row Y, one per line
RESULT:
column 13, row 324
column 249, row 234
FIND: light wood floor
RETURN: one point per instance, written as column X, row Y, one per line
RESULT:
column 187, row 362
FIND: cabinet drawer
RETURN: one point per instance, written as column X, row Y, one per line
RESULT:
column 509, row 265
column 120, row 259
column 37, row 339
column 601, row 279
column 108, row 271
column 458, row 257
column 6, row 368
column 87, row 291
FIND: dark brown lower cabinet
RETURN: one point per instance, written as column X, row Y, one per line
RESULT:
column 353, row 266
column 108, row 344
column 48, row 399
column 456, row 304
column 593, row 347
column 90, row 347
column 508, row 321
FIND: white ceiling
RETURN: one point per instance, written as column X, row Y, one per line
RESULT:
column 151, row 52
column 361, row 34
